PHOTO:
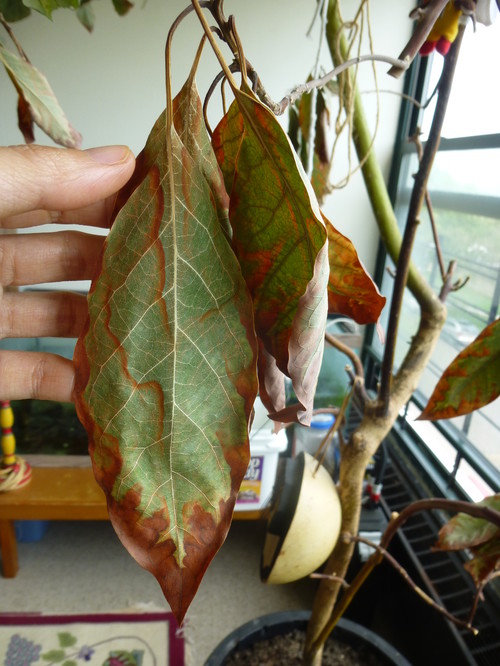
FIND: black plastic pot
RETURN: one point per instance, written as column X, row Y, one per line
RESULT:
column 274, row 624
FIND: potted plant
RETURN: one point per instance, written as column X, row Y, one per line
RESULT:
column 215, row 284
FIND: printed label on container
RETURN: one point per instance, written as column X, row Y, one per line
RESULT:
column 251, row 485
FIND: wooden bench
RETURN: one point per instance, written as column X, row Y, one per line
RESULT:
column 54, row 493
column 57, row 493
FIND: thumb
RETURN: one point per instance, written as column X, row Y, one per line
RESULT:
column 34, row 177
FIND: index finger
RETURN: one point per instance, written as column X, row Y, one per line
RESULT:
column 58, row 179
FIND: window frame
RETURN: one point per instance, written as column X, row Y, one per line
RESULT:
column 415, row 87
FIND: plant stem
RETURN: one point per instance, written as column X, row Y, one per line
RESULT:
column 11, row 34
column 413, row 218
column 374, row 426
column 210, row 36
column 372, row 173
column 312, row 85
column 350, row 353
column 430, row 212
column 428, row 16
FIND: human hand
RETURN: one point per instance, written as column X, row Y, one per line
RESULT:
column 40, row 185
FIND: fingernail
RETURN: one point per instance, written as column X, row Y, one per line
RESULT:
column 108, row 154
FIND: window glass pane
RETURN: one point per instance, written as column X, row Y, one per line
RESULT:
column 469, row 233
column 446, row 454
column 474, row 102
column 473, row 171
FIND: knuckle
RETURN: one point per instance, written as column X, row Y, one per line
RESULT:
column 68, row 315
column 71, row 260
column 7, row 262
column 6, row 317
column 37, row 377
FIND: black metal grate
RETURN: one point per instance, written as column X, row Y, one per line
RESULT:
column 442, row 573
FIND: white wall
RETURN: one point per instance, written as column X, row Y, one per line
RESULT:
column 111, row 83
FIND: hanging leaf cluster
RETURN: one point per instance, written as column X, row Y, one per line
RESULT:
column 214, row 284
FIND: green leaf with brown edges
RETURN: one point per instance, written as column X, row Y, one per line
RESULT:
column 479, row 536
column 485, row 561
column 43, row 105
column 351, row 291
column 471, row 381
column 465, row 531
column 279, row 238
column 166, row 368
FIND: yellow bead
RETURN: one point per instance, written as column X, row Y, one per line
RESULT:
column 8, row 442
column 6, row 417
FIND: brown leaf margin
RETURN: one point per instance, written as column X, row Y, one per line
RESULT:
column 351, row 290
column 460, row 390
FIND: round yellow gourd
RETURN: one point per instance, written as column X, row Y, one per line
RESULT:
column 304, row 522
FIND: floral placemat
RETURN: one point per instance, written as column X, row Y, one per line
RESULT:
column 144, row 639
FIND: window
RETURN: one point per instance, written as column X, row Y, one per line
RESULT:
column 465, row 194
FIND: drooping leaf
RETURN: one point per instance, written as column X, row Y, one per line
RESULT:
column 479, row 536
column 24, row 116
column 43, row 105
column 25, row 119
column 122, row 6
column 465, row 531
column 14, row 10
column 351, row 291
column 46, row 7
column 471, row 381
column 271, row 382
column 166, row 370
column 279, row 238
column 485, row 561
column 86, row 16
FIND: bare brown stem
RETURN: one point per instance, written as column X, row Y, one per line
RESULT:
column 335, row 427
column 322, row 81
column 430, row 211
column 355, row 360
column 413, row 218
column 467, row 624
column 435, row 235
column 396, row 522
column 438, row 504
column 447, row 281
column 11, row 34
column 426, row 18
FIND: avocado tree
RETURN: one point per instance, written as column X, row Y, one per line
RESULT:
column 215, row 283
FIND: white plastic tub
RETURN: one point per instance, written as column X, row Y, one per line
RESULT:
column 265, row 447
